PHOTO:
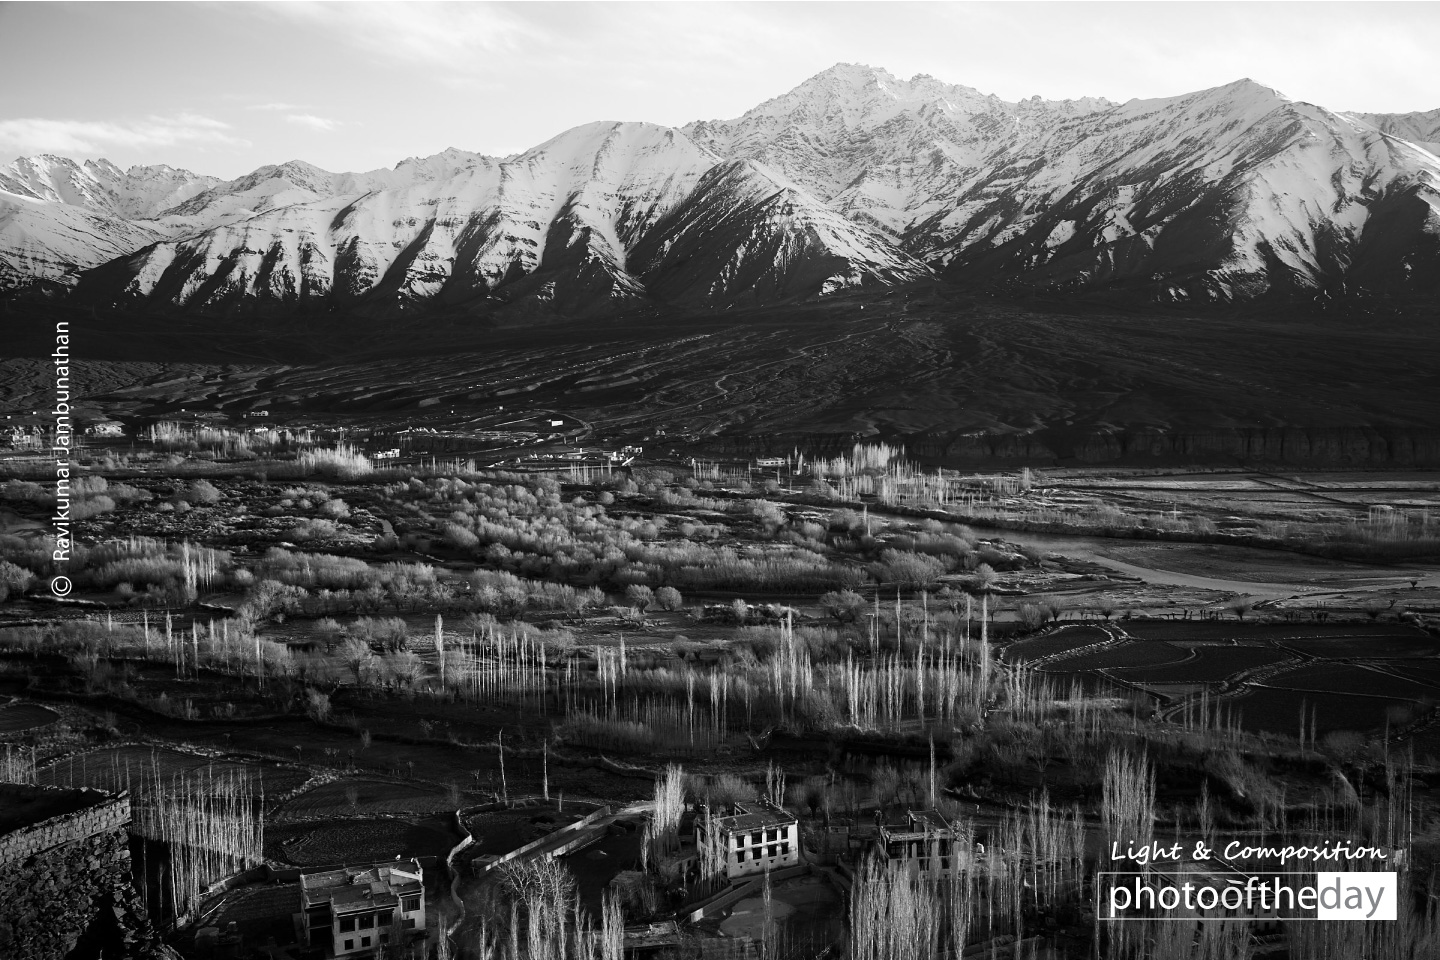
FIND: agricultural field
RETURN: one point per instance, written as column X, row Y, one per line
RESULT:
column 1129, row 655
column 1348, row 679
column 359, row 839
column 21, row 717
column 1344, row 674
column 365, row 796
column 142, row 769
column 1275, row 710
column 1398, row 645
column 1206, row 664
column 1069, row 637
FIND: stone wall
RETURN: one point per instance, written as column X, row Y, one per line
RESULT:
column 66, row 888
column 102, row 813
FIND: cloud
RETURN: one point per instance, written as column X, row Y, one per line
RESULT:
column 314, row 122
column 431, row 33
column 42, row 134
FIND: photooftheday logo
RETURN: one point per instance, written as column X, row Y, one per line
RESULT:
column 1208, row 895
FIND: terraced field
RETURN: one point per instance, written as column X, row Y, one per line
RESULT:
column 1235, row 631
column 1350, row 678
column 362, row 839
column 137, row 768
column 370, row 796
column 1342, row 676
column 1206, row 664
column 1389, row 646
column 1066, row 638
column 20, row 717
column 1273, row 710
column 1129, row 655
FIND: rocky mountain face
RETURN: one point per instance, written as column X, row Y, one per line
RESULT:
column 58, row 217
column 853, row 178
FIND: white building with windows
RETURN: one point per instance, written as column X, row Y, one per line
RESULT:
column 360, row 911
column 756, row 837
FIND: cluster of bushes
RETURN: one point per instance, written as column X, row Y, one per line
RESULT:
column 532, row 530
column 24, row 491
column 143, row 567
column 89, row 496
column 14, row 580
column 399, row 581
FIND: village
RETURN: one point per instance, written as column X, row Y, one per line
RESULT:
column 571, row 698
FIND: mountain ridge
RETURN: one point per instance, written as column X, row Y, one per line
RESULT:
column 853, row 178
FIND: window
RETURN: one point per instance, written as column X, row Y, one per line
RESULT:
column 785, row 849
column 409, row 923
column 411, row 904
column 739, row 840
column 367, row 921
column 349, row 944
column 757, row 837
column 387, row 917
column 384, row 938
column 364, row 941
column 347, row 924
column 739, row 856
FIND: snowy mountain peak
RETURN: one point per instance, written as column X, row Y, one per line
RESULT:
column 852, row 120
column 99, row 186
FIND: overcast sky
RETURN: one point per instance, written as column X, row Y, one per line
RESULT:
column 225, row 87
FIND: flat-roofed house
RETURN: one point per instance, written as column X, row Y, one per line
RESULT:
column 756, row 837
column 357, row 911
column 924, row 842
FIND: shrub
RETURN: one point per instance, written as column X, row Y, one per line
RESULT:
column 13, row 580
column 908, row 569
column 91, row 507
column 317, row 705
column 387, row 632
column 319, row 529
column 89, row 486
column 124, row 492
column 843, row 605
column 23, row 490
column 640, row 596
column 203, row 491
column 460, row 538
column 343, row 461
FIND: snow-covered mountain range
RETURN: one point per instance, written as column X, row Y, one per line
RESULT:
column 853, row 178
